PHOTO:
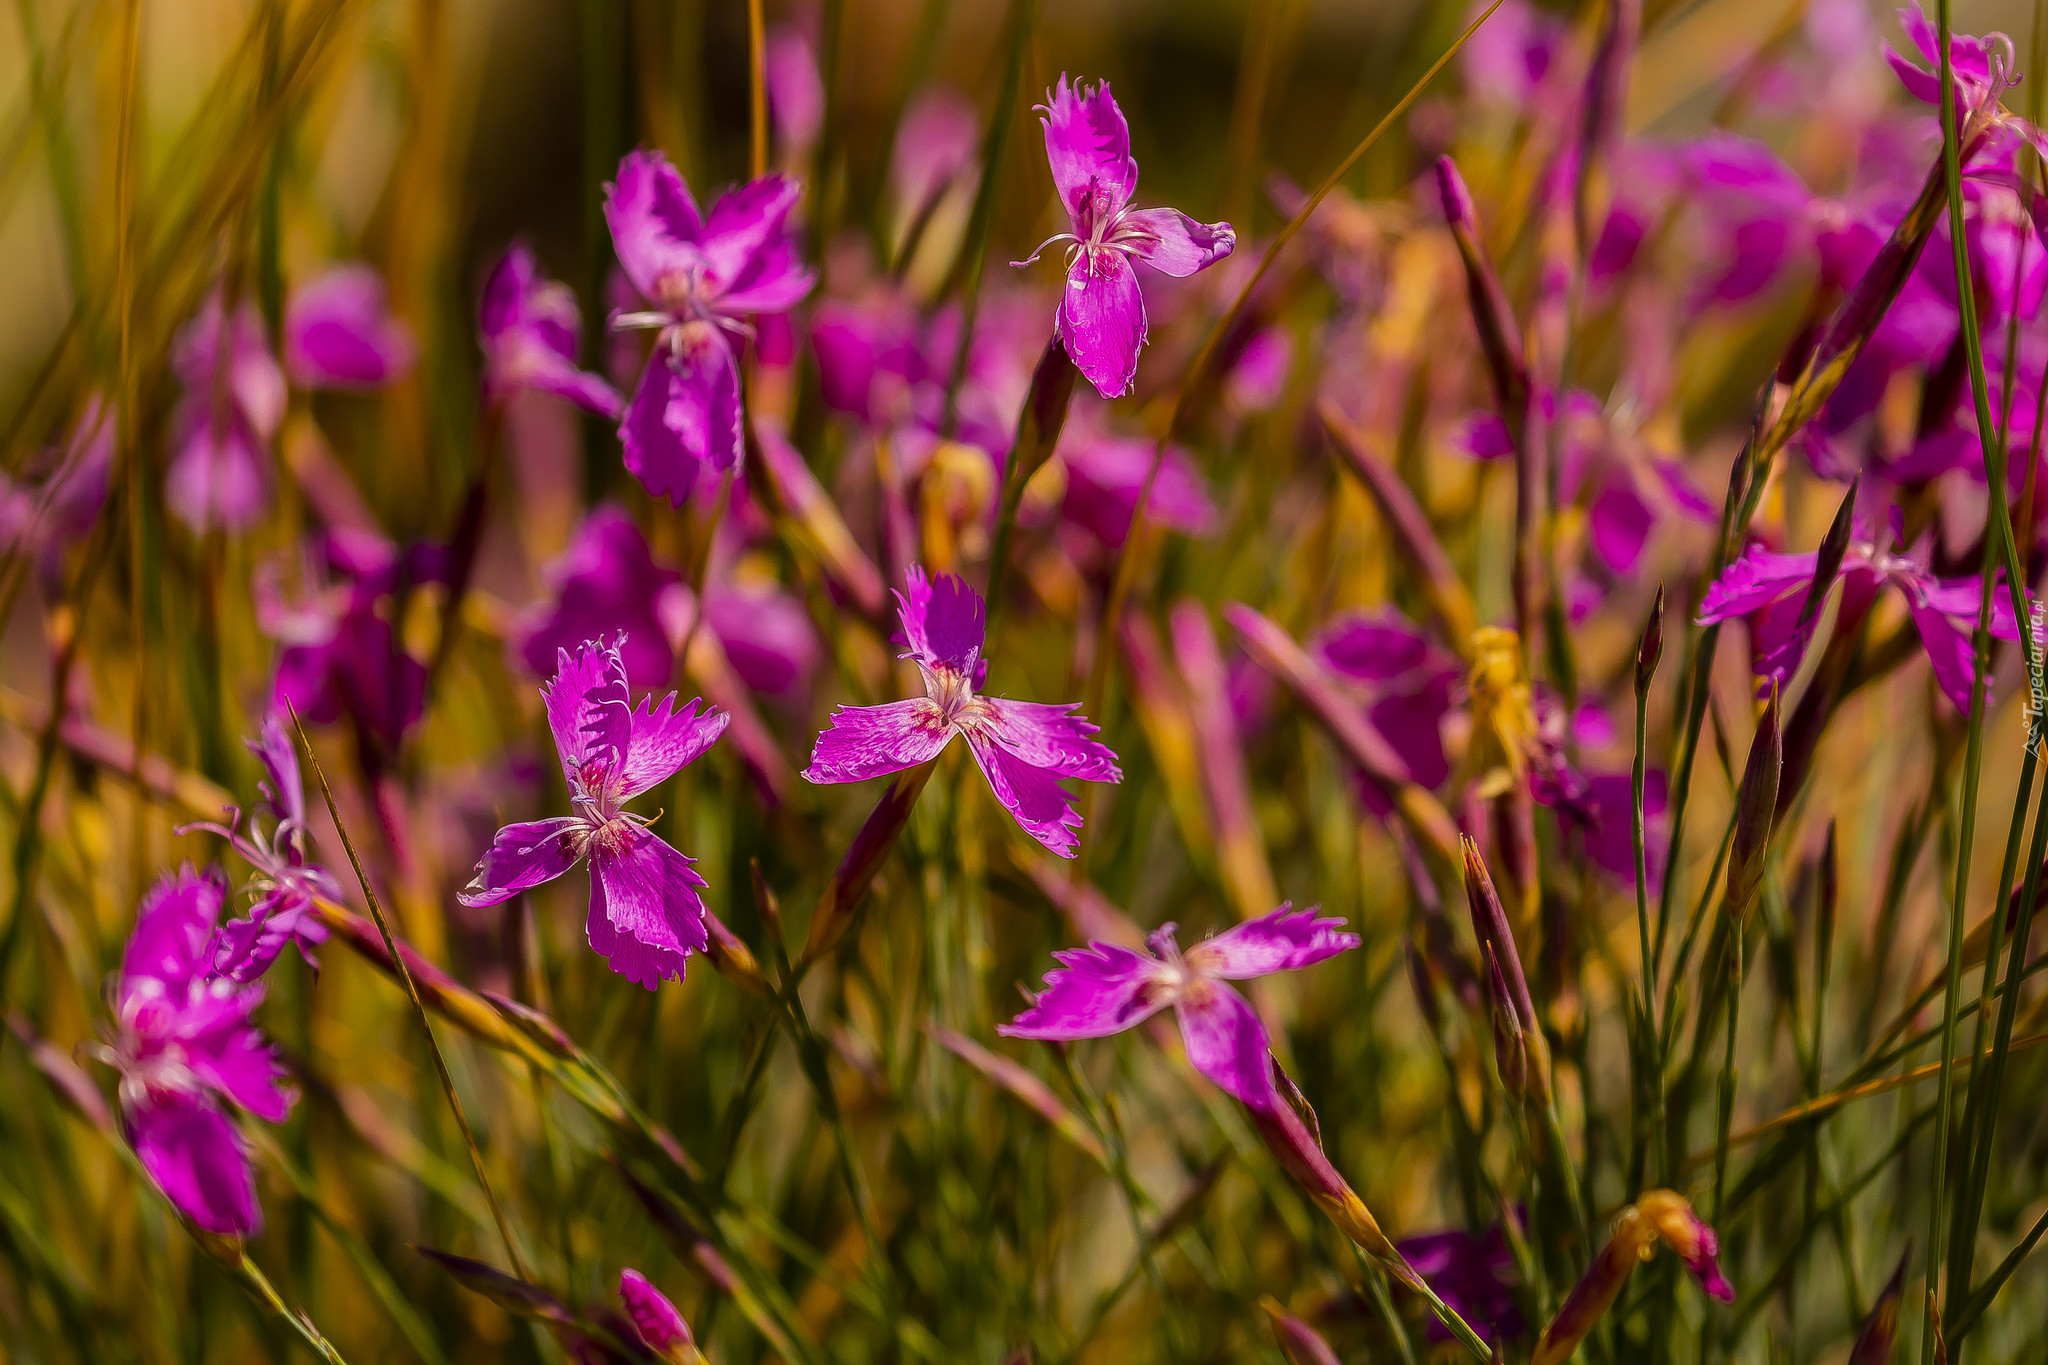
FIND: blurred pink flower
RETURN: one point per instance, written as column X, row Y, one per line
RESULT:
column 1101, row 317
column 700, row 277
column 796, row 95
column 234, row 400
column 528, row 326
column 936, row 148
column 339, row 333
column 1106, row 988
column 1023, row 748
column 45, row 518
column 186, row 1050
column 646, row 917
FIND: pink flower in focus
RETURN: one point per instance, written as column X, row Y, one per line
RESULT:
column 1106, row 988
column 339, row 333
column 645, row 915
column 1024, row 748
column 186, row 1051
column 286, row 881
column 1101, row 317
column 528, row 325
column 234, row 400
column 700, row 277
column 1770, row 588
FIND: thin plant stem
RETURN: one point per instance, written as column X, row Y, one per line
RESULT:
column 757, row 92
column 412, row 990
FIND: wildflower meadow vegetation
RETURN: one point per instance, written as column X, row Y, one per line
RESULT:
column 686, row 680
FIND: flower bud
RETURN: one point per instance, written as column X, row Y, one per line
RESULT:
column 834, row 915
column 1300, row 1154
column 1510, row 988
column 1650, row 648
column 731, row 958
column 1660, row 1215
column 1499, row 336
column 1881, row 1329
column 1299, row 1342
column 1510, row 1055
column 1756, row 805
column 656, row 1319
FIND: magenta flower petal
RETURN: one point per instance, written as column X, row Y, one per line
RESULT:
column 229, row 1054
column 523, row 856
column 1619, row 524
column 665, row 739
column 871, row 741
column 339, row 333
column 172, row 927
column 1052, row 737
column 1101, row 320
column 685, row 415
column 1226, row 1042
column 943, row 620
column 767, row 634
column 1088, row 145
column 646, row 917
column 654, row 1317
column 192, row 1151
column 1283, row 940
column 1947, row 642
column 589, row 708
column 1172, row 243
column 1096, row 991
column 654, row 222
column 1756, row 580
column 1033, row 796
column 743, row 223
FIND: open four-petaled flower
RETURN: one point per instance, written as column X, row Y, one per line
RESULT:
column 1101, row 316
column 186, row 1050
column 1024, row 748
column 645, row 915
column 1106, row 988
column 700, row 275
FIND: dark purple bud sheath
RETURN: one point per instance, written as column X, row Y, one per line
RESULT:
column 878, row 834
column 1650, row 646
column 1448, row 596
column 1756, row 807
column 1499, row 335
column 1510, row 1052
column 1508, row 988
column 1880, row 1330
column 1288, row 1138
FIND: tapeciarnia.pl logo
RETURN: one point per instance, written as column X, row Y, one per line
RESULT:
column 2037, row 680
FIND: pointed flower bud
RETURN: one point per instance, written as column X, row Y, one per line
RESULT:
column 1650, row 649
column 1300, row 1153
column 1299, row 1342
column 1510, row 1053
column 1659, row 1216
column 656, row 1319
column 1755, row 809
column 1881, row 1329
column 1499, row 336
column 1509, row 987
